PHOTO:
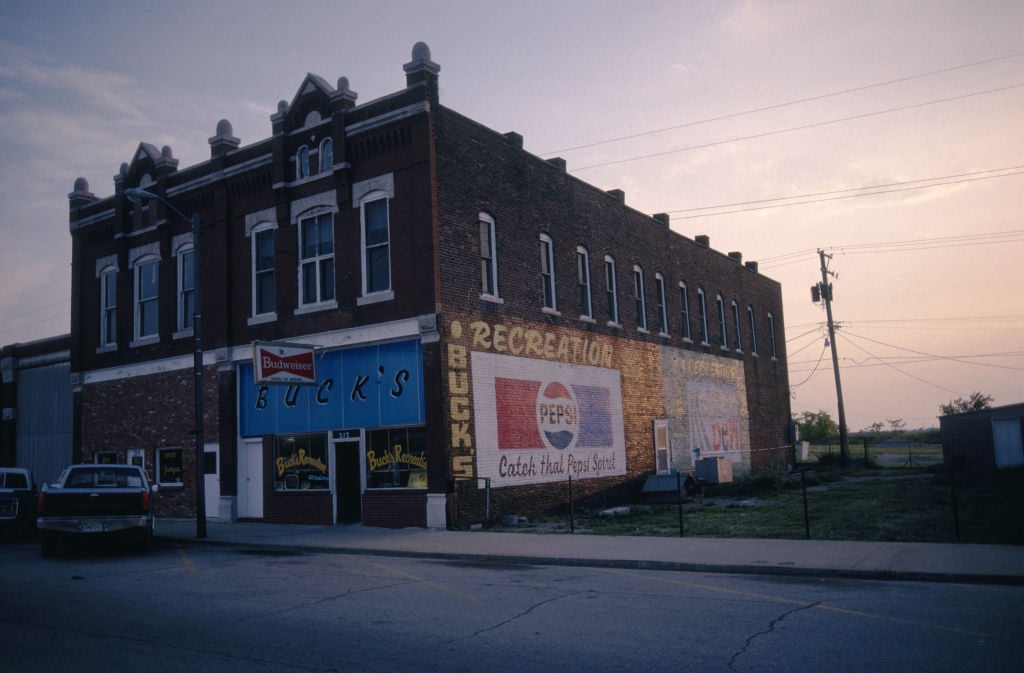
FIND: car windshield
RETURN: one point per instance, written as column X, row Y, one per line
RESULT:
column 104, row 477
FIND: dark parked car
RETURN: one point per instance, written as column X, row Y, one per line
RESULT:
column 17, row 500
column 108, row 503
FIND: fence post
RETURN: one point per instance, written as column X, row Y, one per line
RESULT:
column 807, row 520
column 679, row 498
column 956, row 506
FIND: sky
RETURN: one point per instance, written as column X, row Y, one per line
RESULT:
column 889, row 135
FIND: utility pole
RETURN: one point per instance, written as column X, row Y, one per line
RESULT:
column 824, row 290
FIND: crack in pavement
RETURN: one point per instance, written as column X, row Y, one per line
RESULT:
column 771, row 628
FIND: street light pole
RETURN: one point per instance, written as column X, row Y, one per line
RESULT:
column 137, row 195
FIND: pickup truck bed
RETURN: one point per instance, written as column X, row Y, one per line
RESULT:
column 96, row 502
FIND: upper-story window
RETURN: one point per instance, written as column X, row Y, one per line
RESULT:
column 547, row 271
column 638, row 297
column 723, row 334
column 684, row 300
column 659, row 280
column 753, row 330
column 702, row 315
column 376, row 244
column 583, row 281
column 610, row 290
column 263, row 297
column 771, row 336
column 108, row 306
column 488, row 256
column 737, row 330
column 326, row 155
column 302, row 163
column 186, row 274
column 316, row 270
column 147, row 292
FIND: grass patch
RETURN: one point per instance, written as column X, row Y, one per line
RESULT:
column 871, row 505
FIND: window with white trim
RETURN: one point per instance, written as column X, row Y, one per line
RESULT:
column 302, row 163
column 547, row 271
column 488, row 256
column 263, row 278
column 754, row 331
column 583, row 281
column 186, row 258
column 638, row 297
column 771, row 335
column 610, row 290
column 326, row 155
column 723, row 335
column 662, row 309
column 147, row 301
column 737, row 330
column 684, row 300
column 376, row 244
column 702, row 309
column 316, row 259
column 108, row 306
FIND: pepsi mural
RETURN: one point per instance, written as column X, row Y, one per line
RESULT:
column 540, row 421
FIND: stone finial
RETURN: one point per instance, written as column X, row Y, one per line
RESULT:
column 421, row 60
column 81, row 186
column 344, row 91
column 223, row 140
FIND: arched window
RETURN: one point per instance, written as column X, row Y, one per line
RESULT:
column 302, row 163
column 488, row 256
column 326, row 155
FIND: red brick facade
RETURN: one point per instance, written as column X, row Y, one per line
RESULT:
column 440, row 172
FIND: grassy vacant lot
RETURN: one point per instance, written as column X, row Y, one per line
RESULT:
column 908, row 505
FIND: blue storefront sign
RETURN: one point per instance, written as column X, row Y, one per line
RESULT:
column 358, row 388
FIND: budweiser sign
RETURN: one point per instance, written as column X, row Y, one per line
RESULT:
column 283, row 363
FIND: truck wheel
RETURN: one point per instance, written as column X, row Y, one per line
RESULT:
column 48, row 545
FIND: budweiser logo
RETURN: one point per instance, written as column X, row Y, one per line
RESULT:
column 292, row 365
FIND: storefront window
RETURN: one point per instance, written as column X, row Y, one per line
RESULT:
column 168, row 465
column 300, row 462
column 396, row 458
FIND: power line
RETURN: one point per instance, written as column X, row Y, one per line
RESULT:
column 777, row 106
column 801, row 127
column 946, row 180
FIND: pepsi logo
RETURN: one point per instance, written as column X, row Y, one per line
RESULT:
column 558, row 417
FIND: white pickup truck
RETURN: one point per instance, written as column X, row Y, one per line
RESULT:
column 96, row 502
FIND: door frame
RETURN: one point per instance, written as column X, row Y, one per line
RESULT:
column 343, row 440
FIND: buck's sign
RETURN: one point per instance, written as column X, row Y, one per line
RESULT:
column 283, row 364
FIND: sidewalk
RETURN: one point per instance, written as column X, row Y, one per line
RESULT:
column 966, row 563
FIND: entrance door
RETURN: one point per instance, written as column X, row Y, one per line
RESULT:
column 250, row 479
column 348, row 481
column 211, row 484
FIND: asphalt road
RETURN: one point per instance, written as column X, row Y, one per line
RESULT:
column 211, row 608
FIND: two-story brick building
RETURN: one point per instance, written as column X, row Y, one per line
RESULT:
column 480, row 319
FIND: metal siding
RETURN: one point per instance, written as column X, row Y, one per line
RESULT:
column 44, row 421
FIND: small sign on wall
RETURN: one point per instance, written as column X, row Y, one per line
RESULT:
column 279, row 363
